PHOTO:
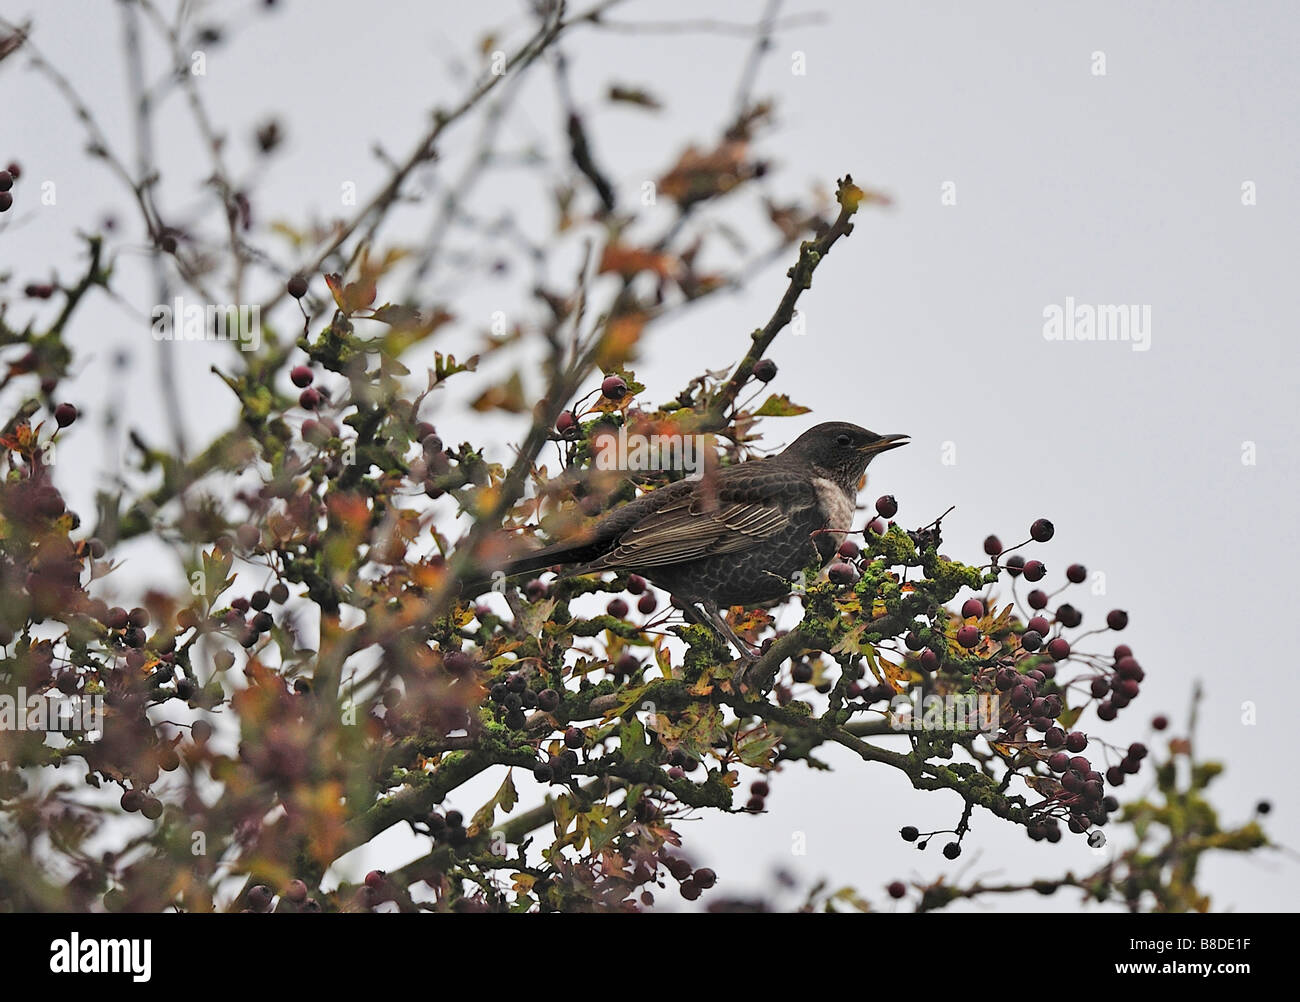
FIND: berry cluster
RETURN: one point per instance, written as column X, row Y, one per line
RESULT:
column 7, row 178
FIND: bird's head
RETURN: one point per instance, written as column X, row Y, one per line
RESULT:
column 841, row 451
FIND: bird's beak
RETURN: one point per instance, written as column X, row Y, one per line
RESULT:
column 884, row 443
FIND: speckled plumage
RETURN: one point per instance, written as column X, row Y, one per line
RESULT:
column 737, row 537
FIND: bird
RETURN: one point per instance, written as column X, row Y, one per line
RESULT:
column 739, row 535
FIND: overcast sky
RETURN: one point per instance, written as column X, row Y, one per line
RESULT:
column 1165, row 183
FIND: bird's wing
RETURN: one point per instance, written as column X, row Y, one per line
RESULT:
column 740, row 513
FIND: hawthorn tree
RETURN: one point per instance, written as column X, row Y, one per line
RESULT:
column 325, row 671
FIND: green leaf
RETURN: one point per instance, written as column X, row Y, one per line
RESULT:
column 755, row 747
column 534, row 617
column 632, row 742
column 216, row 574
column 506, row 797
column 779, row 405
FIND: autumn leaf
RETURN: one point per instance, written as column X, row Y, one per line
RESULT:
column 507, row 396
column 631, row 261
column 618, row 343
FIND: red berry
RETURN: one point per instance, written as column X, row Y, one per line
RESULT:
column 314, row 432
column 1068, row 616
column 1039, row 625
column 566, row 422
column 309, row 399
column 849, row 550
column 1129, row 668
column 704, row 877
column 972, row 607
column 1031, row 641
column 647, row 603
column 1059, row 648
column 1117, row 619
column 375, row 879
column 301, row 376
column 259, row 897
column 929, row 660
column 65, row 414
column 968, row 636
column 897, row 889
column 841, row 573
column 614, row 387
column 1076, row 573
column 6, row 180
column 1037, row 599
column 6, row 201
column 765, row 370
column 617, row 608
column 14, row 170
column 992, row 546
column 1034, row 570
column 1076, row 741
column 886, row 506
column 297, row 286
column 573, row 737
column 1042, row 530
column 1160, row 722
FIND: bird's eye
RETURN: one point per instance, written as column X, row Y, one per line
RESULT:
column 843, row 441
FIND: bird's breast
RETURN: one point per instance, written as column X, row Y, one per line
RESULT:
column 836, row 507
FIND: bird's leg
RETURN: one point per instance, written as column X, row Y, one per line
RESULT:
column 747, row 651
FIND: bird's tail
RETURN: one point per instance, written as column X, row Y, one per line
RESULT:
column 528, row 563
